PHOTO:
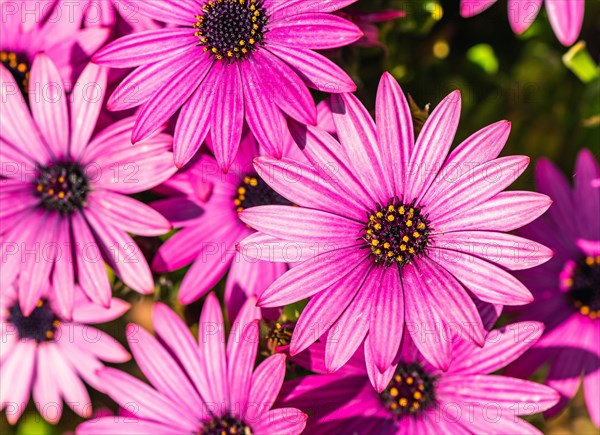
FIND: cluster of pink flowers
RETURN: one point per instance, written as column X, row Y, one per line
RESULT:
column 194, row 121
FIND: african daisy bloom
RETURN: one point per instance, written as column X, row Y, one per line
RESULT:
column 48, row 356
column 205, row 203
column 31, row 27
column 206, row 387
column 567, row 288
column 402, row 229
column 566, row 16
column 64, row 210
column 413, row 397
column 227, row 63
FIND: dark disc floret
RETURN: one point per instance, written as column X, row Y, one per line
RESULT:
column 226, row 426
column 63, row 187
column 582, row 282
column 40, row 325
column 410, row 391
column 253, row 191
column 231, row 29
column 397, row 232
column 18, row 65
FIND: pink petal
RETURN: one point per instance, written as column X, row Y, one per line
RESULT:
column 486, row 281
column 492, row 214
column 591, row 387
column 17, row 371
column 162, row 370
column 146, row 47
column 566, row 19
column 128, row 214
column 307, row 6
column 211, row 339
column 316, row 31
column 394, row 131
column 358, row 135
column 122, row 254
column 350, row 329
column 511, row 252
column 503, row 346
column 387, row 319
column 169, row 98
column 302, row 224
column 181, row 12
column 227, row 117
column 522, row 13
column 432, row 145
column 282, row 420
column 469, row 8
column 447, row 198
column 316, row 70
column 260, row 246
column 124, row 426
column 586, row 171
column 46, row 393
column 48, row 104
column 267, row 380
column 63, row 276
column 176, row 335
column 88, row 98
column 126, row 390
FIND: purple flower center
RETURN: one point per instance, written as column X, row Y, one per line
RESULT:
column 411, row 390
column 40, row 325
column 63, row 187
column 253, row 191
column 582, row 282
column 19, row 67
column 397, row 232
column 231, row 29
column 226, row 426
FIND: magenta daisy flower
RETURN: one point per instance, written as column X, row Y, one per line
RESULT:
column 26, row 33
column 64, row 209
column 567, row 288
column 566, row 16
column 396, row 232
column 209, row 387
column 413, row 397
column 226, row 62
column 205, row 203
column 49, row 356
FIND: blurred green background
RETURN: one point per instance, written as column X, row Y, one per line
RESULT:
column 431, row 52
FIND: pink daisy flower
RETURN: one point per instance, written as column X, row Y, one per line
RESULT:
column 567, row 288
column 209, row 387
column 229, row 63
column 64, row 209
column 405, row 231
column 205, row 203
column 50, row 356
column 566, row 16
column 31, row 27
column 413, row 397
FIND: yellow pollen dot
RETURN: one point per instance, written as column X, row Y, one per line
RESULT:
column 585, row 310
column 416, row 235
column 568, row 282
column 401, row 210
column 51, row 191
column 377, row 251
column 214, row 50
column 409, row 223
column 242, row 190
column 403, row 247
column 391, row 218
column 416, row 405
column 40, row 188
column 22, row 67
column 61, row 195
column 244, row 50
column 409, row 380
column 49, row 334
column 403, row 401
column 3, row 56
column 253, row 182
column 417, row 395
column 411, row 250
column 390, row 208
column 399, row 258
column 398, row 378
column 242, row 42
column 394, row 405
column 40, row 303
column 56, row 323
column 369, row 232
column 394, row 392
column 374, row 242
column 386, row 245
column 237, row 202
column 379, row 214
column 377, row 226
column 589, row 261
column 405, row 239
column 61, row 179
column 242, row 197
column 390, row 254
column 421, row 226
